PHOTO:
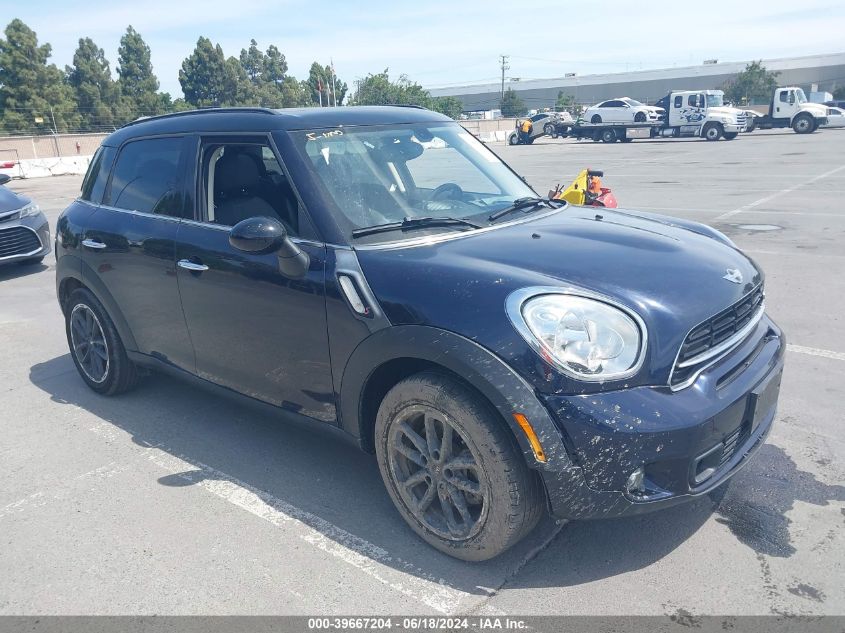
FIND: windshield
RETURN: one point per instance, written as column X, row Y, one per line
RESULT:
column 632, row 102
column 379, row 174
column 715, row 101
column 800, row 96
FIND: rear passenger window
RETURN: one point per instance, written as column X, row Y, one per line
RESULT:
column 146, row 177
column 679, row 101
column 98, row 174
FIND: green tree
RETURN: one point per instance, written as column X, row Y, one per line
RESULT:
column 450, row 106
column 321, row 77
column 252, row 60
column 566, row 103
column 95, row 92
column 512, row 105
column 379, row 90
column 137, row 83
column 209, row 79
column 753, row 83
column 33, row 93
column 839, row 93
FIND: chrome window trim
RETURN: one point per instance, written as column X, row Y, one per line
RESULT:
column 445, row 237
column 37, row 250
column 513, row 308
column 711, row 357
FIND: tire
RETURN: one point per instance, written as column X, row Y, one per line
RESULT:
column 639, row 117
column 513, row 139
column 626, row 140
column 729, row 136
column 596, row 119
column 502, row 500
column 751, row 127
column 31, row 261
column 712, row 131
column 549, row 129
column 531, row 140
column 608, row 135
column 803, row 124
column 84, row 315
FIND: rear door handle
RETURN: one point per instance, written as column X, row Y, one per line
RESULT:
column 187, row 264
column 93, row 244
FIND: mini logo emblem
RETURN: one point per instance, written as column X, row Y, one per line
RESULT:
column 733, row 275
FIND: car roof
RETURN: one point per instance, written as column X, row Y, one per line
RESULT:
column 252, row 120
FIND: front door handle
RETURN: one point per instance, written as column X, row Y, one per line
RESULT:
column 93, row 244
column 187, row 264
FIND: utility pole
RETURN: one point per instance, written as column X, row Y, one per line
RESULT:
column 503, row 59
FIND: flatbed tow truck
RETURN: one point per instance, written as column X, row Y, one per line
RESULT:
column 687, row 113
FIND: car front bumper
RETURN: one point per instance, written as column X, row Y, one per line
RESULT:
column 685, row 443
column 24, row 238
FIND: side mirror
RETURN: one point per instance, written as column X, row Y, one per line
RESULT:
column 262, row 235
column 4, row 178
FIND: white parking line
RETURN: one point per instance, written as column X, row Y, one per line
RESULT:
column 777, row 194
column 376, row 562
column 815, row 351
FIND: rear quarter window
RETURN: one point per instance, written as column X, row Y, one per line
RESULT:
column 97, row 175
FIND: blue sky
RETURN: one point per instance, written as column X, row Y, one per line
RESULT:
column 440, row 42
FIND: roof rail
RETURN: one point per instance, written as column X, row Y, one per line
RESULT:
column 208, row 110
column 405, row 105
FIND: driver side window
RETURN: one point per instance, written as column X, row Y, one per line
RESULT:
column 243, row 180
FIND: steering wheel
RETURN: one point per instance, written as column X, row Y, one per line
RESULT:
column 448, row 190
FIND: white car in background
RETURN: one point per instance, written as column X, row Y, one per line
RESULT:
column 835, row 117
column 622, row 110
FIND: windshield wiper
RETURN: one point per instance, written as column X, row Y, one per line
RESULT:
column 414, row 223
column 521, row 204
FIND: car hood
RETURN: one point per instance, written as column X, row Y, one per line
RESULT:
column 724, row 111
column 670, row 272
column 10, row 201
column 817, row 109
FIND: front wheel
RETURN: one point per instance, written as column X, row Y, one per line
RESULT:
column 95, row 346
column 513, row 139
column 803, row 124
column 712, row 131
column 453, row 470
column 729, row 136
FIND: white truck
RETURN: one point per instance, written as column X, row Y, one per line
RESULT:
column 790, row 108
column 700, row 113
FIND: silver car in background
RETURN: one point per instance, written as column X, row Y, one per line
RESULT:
column 24, row 230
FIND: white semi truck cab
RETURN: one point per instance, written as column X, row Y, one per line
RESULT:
column 790, row 108
column 700, row 113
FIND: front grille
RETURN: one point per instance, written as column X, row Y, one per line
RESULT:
column 715, row 331
column 741, row 119
column 18, row 240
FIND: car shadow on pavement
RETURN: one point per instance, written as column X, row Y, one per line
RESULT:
column 329, row 483
column 14, row 270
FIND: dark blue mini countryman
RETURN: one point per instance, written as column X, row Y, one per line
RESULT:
column 381, row 273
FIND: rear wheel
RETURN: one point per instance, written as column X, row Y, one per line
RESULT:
column 549, row 129
column 596, row 119
column 452, row 470
column 608, row 135
column 712, row 131
column 639, row 117
column 729, row 136
column 803, row 124
column 626, row 140
column 95, row 346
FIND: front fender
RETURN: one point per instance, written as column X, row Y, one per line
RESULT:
column 479, row 367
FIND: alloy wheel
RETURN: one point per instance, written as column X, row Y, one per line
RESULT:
column 437, row 474
column 89, row 343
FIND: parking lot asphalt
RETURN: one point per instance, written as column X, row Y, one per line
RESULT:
column 173, row 500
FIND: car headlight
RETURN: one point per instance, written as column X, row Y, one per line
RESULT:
column 30, row 209
column 584, row 337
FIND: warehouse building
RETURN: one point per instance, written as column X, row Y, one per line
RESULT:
column 815, row 72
